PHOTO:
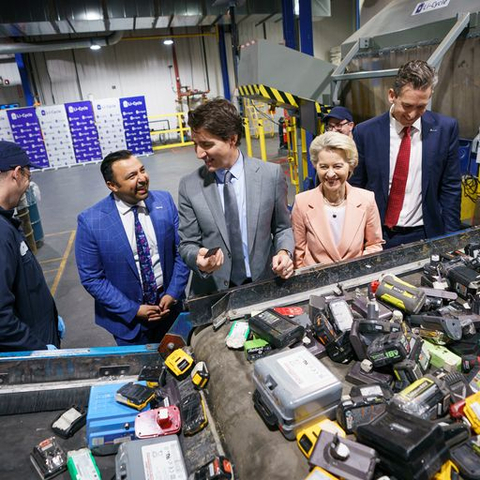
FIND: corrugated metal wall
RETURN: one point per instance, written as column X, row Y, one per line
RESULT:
column 457, row 93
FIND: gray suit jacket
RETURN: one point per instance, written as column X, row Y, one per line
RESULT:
column 202, row 222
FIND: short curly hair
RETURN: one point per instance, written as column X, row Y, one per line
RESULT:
column 334, row 141
column 218, row 117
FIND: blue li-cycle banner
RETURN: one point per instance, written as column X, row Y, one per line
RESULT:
column 26, row 133
column 135, row 123
column 84, row 131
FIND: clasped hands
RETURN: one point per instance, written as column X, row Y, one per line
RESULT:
column 153, row 313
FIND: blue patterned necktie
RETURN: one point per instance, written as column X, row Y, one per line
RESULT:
column 146, row 267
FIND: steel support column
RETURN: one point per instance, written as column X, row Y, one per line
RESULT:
column 306, row 27
column 27, row 91
column 306, row 46
column 223, row 62
column 288, row 20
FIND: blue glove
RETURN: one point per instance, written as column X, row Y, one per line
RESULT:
column 52, row 347
column 61, row 327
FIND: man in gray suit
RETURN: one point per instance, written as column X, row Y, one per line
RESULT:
column 236, row 203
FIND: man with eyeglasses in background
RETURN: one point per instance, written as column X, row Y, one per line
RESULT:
column 340, row 120
column 28, row 315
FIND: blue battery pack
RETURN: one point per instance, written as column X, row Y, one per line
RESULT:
column 109, row 423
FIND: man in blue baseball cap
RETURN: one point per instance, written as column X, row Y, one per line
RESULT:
column 339, row 119
column 28, row 315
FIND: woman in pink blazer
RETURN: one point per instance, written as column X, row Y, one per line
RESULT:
column 335, row 221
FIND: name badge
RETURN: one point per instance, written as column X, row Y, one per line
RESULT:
column 23, row 248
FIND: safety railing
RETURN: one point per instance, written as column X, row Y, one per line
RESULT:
column 181, row 134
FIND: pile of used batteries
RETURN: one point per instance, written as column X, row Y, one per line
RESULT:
column 415, row 365
column 156, row 428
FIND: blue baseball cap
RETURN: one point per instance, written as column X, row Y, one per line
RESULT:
column 11, row 156
column 339, row 113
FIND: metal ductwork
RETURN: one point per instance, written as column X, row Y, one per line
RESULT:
column 71, row 17
column 11, row 48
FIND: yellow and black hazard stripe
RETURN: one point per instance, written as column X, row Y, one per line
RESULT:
column 269, row 93
column 283, row 99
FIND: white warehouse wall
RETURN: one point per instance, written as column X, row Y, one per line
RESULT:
column 127, row 69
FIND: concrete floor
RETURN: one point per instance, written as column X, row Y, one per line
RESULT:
column 67, row 192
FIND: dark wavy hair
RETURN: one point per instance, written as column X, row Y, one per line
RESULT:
column 218, row 117
column 418, row 73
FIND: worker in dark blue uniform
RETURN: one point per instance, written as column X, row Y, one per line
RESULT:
column 28, row 315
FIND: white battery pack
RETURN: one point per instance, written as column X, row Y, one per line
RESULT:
column 151, row 459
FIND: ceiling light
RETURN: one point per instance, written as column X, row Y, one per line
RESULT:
column 95, row 46
column 168, row 41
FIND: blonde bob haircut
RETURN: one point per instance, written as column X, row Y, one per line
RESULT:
column 335, row 141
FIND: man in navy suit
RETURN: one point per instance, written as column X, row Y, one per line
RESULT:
column 127, row 255
column 416, row 175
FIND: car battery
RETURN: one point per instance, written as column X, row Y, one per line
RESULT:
column 153, row 458
column 410, row 448
column 293, row 388
column 108, row 422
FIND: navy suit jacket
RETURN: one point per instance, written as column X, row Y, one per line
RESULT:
column 441, row 179
column 107, row 268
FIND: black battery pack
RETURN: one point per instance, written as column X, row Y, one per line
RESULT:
column 194, row 416
column 340, row 350
column 357, row 341
column 48, row 458
column 135, row 395
column 362, row 405
column 467, row 458
column 388, row 349
column 410, row 448
column 464, row 280
column 276, row 329
column 427, row 397
column 69, row 422
column 362, row 376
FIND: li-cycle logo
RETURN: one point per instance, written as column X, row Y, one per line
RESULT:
column 16, row 116
column 134, row 103
column 429, row 5
column 72, row 109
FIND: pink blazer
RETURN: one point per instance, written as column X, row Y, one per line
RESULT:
column 362, row 230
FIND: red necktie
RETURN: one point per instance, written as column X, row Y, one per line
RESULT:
column 399, row 181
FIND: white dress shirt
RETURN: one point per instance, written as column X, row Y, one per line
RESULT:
column 238, row 182
column 128, row 221
column 411, row 214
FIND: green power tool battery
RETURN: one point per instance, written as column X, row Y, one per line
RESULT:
column 400, row 294
column 82, row 466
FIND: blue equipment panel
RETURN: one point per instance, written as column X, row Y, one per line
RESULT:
column 108, row 422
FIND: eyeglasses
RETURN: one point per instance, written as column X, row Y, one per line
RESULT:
column 336, row 126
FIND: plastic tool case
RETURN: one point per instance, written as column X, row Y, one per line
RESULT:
column 294, row 388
